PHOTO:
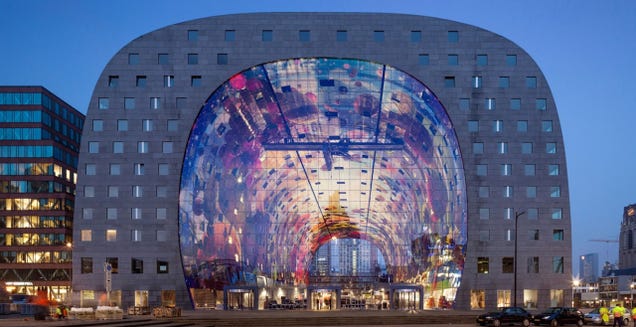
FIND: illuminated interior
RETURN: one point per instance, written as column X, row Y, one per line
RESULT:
column 288, row 155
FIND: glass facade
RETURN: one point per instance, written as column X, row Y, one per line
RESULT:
column 287, row 156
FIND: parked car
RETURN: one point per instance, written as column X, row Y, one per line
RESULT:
column 507, row 315
column 594, row 317
column 556, row 316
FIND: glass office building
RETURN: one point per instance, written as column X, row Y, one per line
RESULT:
column 39, row 147
column 378, row 162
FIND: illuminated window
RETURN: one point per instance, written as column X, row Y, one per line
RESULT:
column 162, row 267
column 111, row 235
column 86, row 235
column 482, row 265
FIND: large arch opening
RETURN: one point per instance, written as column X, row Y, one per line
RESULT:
column 287, row 156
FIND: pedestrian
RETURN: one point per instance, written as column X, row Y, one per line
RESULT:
column 604, row 315
column 618, row 312
column 634, row 315
column 58, row 312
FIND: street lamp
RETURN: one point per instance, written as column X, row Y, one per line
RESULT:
column 575, row 285
column 514, row 292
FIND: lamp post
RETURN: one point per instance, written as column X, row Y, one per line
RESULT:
column 575, row 285
column 514, row 292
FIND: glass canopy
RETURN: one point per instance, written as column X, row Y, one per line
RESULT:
column 289, row 155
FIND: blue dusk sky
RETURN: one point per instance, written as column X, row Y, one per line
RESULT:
column 585, row 48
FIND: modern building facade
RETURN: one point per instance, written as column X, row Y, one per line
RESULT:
column 589, row 268
column 222, row 153
column 39, row 148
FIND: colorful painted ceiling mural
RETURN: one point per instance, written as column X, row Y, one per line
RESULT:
column 288, row 155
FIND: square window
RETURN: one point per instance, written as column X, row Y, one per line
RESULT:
column 136, row 266
column 484, row 213
column 555, row 191
column 221, row 59
column 531, row 82
column 140, row 81
column 557, row 265
column 532, row 213
column 162, row 267
column 490, row 103
column 453, row 36
column 146, row 125
column 557, row 213
column 135, row 235
column 482, row 60
column 129, row 103
column 111, row 213
column 449, row 81
column 423, row 59
column 558, row 235
column 553, row 170
column 515, row 104
column 111, row 235
column 193, row 35
column 506, row 169
column 142, row 147
column 193, row 59
column 453, row 60
column 162, row 192
column 113, row 191
column 180, row 103
column 115, row 169
column 341, row 36
column 546, row 126
column 172, row 125
column 550, row 148
column 166, row 147
column 378, row 36
column 230, row 35
column 473, row 126
column 482, row 265
column 162, row 236
column 478, row 147
column 484, row 191
column 507, row 265
column 497, row 126
column 163, row 59
column 267, row 35
column 91, row 169
column 103, row 103
column 133, row 58
column 168, row 80
column 135, row 213
column 464, row 104
column 416, row 36
column 529, row 170
column 477, row 82
column 122, row 125
column 139, row 169
column 89, row 191
column 87, row 213
column 533, row 265
column 162, row 213
column 114, row 264
column 86, row 235
column 87, row 265
column 504, row 82
column 531, row 192
column 98, row 125
column 304, row 36
column 533, row 234
column 511, row 60
column 137, row 191
column 526, row 148
column 484, row 235
column 522, row 126
column 113, row 81
column 502, row 147
column 195, row 81
column 164, row 169
column 93, row 147
column 482, row 170
column 507, row 191
column 541, row 104
column 118, row 147
column 155, row 103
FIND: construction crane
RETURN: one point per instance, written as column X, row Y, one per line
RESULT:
column 607, row 242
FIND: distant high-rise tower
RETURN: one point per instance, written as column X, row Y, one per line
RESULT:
column 588, row 267
column 626, row 249
column 39, row 146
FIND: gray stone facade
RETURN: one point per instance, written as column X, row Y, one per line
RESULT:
column 508, row 129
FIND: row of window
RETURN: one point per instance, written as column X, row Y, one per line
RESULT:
column 15, row 204
column 118, row 148
column 36, row 169
column 497, row 125
column 38, row 151
column 34, row 187
column 35, row 222
column 530, row 213
column 508, row 263
column 25, row 239
column 36, row 98
column 533, row 235
column 86, row 235
column 139, row 169
column 531, row 191
column 136, row 266
column 478, row 299
column 35, row 256
column 147, row 125
column 341, row 35
column 135, row 213
column 154, row 103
